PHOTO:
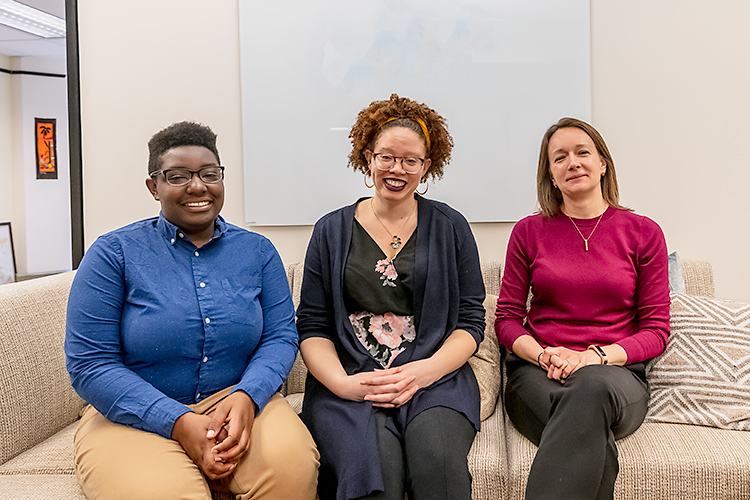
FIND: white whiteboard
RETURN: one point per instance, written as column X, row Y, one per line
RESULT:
column 499, row 71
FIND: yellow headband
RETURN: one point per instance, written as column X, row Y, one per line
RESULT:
column 421, row 124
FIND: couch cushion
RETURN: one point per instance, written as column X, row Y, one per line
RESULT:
column 53, row 456
column 36, row 399
column 41, row 487
column 677, row 461
column 488, row 461
column 703, row 377
column 661, row 462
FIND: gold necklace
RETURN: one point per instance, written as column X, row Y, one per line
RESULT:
column 586, row 240
column 396, row 242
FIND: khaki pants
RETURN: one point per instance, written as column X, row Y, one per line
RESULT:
column 114, row 461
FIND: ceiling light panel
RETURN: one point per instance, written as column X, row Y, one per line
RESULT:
column 34, row 21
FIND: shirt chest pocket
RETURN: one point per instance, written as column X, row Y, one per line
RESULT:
column 243, row 299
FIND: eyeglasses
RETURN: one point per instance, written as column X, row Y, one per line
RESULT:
column 182, row 176
column 410, row 164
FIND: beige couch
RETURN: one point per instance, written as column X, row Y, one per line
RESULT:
column 39, row 411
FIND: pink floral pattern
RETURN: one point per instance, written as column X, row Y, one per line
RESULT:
column 384, row 336
column 388, row 271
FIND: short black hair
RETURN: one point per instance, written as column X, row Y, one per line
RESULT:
column 180, row 134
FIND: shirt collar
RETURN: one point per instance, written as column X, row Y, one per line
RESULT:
column 173, row 233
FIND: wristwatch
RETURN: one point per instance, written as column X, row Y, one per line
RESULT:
column 600, row 352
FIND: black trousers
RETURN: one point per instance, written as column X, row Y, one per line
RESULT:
column 575, row 425
column 430, row 461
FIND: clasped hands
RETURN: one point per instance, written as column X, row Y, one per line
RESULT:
column 218, row 442
column 561, row 362
column 390, row 387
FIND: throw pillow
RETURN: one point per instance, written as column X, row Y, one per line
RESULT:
column 676, row 279
column 486, row 362
column 703, row 377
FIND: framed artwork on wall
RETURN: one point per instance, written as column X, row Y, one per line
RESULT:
column 46, row 147
column 7, row 254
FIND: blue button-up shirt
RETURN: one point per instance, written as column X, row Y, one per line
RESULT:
column 155, row 324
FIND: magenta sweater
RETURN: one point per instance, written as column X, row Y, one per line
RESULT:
column 617, row 292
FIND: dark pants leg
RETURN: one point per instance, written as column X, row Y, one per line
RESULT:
column 575, row 425
column 437, row 442
column 391, row 461
column 430, row 462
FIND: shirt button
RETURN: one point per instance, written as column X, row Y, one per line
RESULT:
column 180, row 235
column 203, row 285
column 172, row 240
column 208, row 320
column 197, row 396
column 196, row 253
column 205, row 359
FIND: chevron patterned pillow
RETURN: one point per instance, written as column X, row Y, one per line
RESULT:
column 703, row 377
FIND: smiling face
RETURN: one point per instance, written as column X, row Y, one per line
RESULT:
column 396, row 184
column 195, row 206
column 575, row 164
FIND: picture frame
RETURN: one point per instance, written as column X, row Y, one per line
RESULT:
column 7, row 254
column 45, row 133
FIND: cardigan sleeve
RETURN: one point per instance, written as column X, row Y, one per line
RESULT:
column 514, row 289
column 315, row 310
column 471, row 312
column 652, row 296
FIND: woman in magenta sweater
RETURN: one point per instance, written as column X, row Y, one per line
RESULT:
column 599, row 310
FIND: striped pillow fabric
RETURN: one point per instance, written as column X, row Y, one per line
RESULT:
column 703, row 377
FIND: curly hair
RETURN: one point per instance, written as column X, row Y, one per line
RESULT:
column 549, row 197
column 400, row 112
column 176, row 135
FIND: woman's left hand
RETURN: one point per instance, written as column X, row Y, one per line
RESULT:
column 452, row 355
column 561, row 362
column 416, row 374
column 235, row 415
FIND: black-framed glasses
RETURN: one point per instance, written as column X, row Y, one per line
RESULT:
column 410, row 164
column 181, row 176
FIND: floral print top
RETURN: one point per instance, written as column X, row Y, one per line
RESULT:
column 378, row 296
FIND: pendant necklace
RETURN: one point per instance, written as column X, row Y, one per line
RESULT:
column 396, row 241
column 586, row 240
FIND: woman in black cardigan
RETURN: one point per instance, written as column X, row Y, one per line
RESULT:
column 390, row 312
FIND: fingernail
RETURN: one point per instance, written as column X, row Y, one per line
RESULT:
column 211, row 433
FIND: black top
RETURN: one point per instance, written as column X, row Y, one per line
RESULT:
column 367, row 285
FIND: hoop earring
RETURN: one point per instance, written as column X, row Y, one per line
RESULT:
column 427, row 187
column 373, row 182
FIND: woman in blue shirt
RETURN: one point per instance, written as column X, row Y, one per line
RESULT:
column 390, row 312
column 180, row 331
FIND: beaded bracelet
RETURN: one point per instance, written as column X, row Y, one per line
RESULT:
column 539, row 359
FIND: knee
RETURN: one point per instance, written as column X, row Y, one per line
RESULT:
column 281, row 466
column 295, row 460
column 158, row 486
column 588, row 384
column 439, row 441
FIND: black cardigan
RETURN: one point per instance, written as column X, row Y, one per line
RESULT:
column 448, row 295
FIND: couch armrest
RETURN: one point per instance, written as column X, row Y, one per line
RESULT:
column 699, row 278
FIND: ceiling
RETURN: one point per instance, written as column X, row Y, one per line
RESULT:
column 14, row 42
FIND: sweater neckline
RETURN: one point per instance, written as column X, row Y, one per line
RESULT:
column 589, row 222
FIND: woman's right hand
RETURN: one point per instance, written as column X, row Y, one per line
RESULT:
column 190, row 430
column 378, row 386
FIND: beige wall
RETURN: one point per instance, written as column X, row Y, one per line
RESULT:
column 669, row 94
